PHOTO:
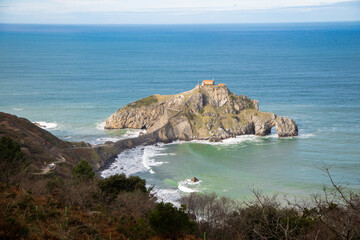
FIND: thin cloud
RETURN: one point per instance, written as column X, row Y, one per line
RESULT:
column 141, row 6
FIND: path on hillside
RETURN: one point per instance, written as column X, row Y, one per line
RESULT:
column 47, row 169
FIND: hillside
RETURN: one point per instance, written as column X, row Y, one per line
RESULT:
column 40, row 147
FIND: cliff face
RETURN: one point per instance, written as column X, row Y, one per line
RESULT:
column 206, row 113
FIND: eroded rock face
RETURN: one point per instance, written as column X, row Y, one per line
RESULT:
column 286, row 127
column 206, row 112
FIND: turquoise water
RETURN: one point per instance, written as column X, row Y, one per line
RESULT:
column 77, row 76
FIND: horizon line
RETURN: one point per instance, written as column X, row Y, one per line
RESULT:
column 164, row 24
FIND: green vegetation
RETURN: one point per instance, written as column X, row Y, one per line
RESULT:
column 134, row 228
column 170, row 221
column 250, row 103
column 83, row 171
column 119, row 183
column 144, row 102
column 54, row 206
column 10, row 150
column 12, row 160
column 233, row 96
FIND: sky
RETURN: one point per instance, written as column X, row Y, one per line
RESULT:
column 176, row 11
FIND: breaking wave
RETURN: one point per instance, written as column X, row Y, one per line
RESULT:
column 100, row 126
column 136, row 160
column 189, row 186
column 46, row 125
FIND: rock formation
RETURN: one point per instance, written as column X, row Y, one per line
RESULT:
column 206, row 113
column 194, row 179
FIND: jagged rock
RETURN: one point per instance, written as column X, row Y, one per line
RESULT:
column 286, row 127
column 206, row 112
column 215, row 139
column 194, row 179
column 195, row 103
column 264, row 124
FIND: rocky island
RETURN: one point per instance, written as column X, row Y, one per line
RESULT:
column 207, row 112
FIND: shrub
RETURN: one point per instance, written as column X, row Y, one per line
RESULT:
column 212, row 213
column 83, row 171
column 137, row 203
column 170, row 221
column 11, row 159
column 10, row 150
column 119, row 183
column 144, row 102
column 11, row 228
column 134, row 228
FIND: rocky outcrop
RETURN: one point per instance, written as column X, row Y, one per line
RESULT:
column 285, row 127
column 207, row 113
column 194, row 179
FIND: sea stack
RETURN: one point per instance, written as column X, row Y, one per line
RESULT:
column 207, row 112
column 194, row 179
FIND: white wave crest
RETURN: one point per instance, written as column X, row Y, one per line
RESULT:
column 46, row 125
column 17, row 109
column 167, row 195
column 136, row 160
column 241, row 138
column 188, row 186
column 128, row 162
column 132, row 133
column 148, row 160
column 100, row 126
column 106, row 139
column 306, row 135
column 229, row 141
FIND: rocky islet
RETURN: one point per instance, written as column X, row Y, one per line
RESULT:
column 209, row 112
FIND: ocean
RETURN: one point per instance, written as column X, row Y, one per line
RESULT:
column 72, row 77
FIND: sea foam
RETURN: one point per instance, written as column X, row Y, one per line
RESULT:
column 148, row 160
column 136, row 160
column 47, row 125
column 189, row 186
column 228, row 141
column 128, row 162
column 167, row 195
column 106, row 139
column 100, row 126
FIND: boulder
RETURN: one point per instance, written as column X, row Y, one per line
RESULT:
column 194, row 179
column 286, row 127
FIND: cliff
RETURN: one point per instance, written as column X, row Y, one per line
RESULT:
column 205, row 113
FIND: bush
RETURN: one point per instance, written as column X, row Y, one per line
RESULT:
column 170, row 221
column 11, row 159
column 144, row 102
column 10, row 150
column 83, row 171
column 212, row 213
column 134, row 228
column 137, row 204
column 120, row 183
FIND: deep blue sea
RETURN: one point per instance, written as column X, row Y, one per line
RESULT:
column 72, row 78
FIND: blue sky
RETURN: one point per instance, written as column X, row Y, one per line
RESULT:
column 176, row 11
